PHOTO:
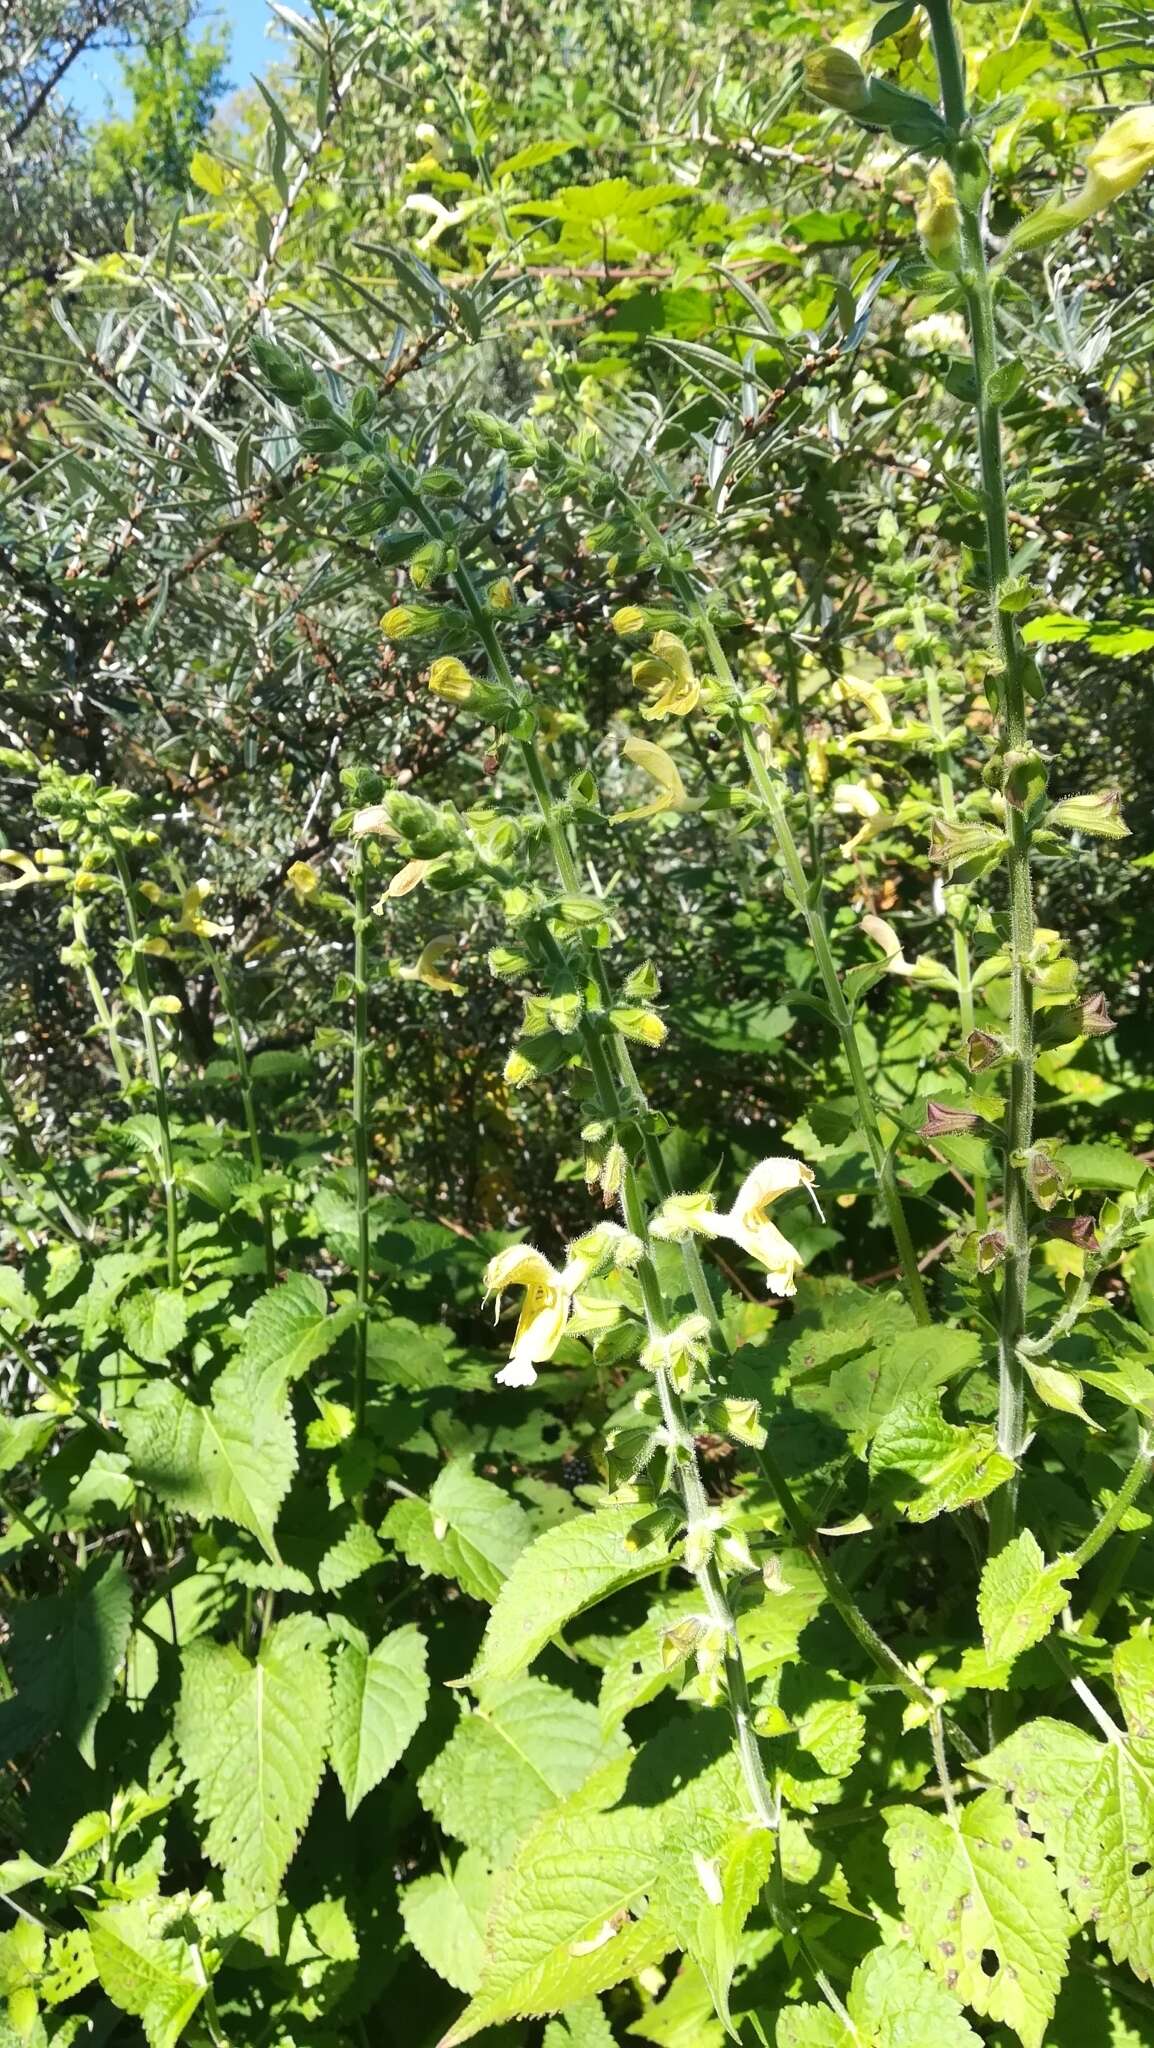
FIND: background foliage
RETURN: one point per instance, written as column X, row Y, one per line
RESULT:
column 260, row 1492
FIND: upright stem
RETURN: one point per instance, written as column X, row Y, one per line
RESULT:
column 1013, row 722
column 247, row 1096
column 154, row 1060
column 807, row 895
column 361, row 1121
column 963, row 966
column 83, row 953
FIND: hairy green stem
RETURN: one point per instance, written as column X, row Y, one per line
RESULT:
column 154, row 1059
column 1125, row 1497
column 1013, row 699
column 244, row 1083
column 97, row 997
column 963, row 966
column 361, row 1123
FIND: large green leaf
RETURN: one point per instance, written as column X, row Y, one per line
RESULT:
column 146, row 1967
column 984, row 1908
column 444, row 1918
column 925, row 1466
column 893, row 2002
column 62, row 1657
column 252, row 1737
column 233, row 1456
column 526, row 1747
column 1021, row 1596
column 379, row 1701
column 1093, row 1804
column 468, row 1530
column 565, row 1571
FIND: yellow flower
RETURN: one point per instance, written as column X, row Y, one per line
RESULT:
column 656, row 762
column 747, row 1224
column 939, row 219
column 428, row 967
column 409, row 877
column 450, row 679
column 545, row 1309
column 192, row 917
column 303, row 880
column 855, row 800
column 1121, row 156
column 667, row 676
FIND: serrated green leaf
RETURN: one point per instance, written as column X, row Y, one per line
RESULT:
column 468, row 1530
column 146, row 1967
column 379, row 1701
column 154, row 1322
column 1021, row 1596
column 925, row 1466
column 983, row 1907
column 861, row 1394
column 233, row 1456
column 608, row 1883
column 565, row 1571
column 1093, row 1804
column 526, row 1747
column 62, row 1656
column 287, row 1330
column 253, row 1737
column 893, row 2002
column 570, row 1917
column 444, row 1917
column 353, row 1554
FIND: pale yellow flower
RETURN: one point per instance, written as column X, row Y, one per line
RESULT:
column 427, row 968
column 655, row 761
column 666, row 674
column 545, row 1309
column 748, row 1223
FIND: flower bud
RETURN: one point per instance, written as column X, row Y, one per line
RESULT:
column 1099, row 814
column 964, row 850
column 643, row 1026
column 518, row 1069
column 1121, row 156
column 836, row 78
column 450, row 679
column 303, row 880
column 984, row 1050
column 946, row 1120
column 939, row 219
column 428, row 562
column 500, row 596
column 410, row 621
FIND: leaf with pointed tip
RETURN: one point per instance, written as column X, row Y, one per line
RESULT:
column 444, row 1918
column 925, row 1466
column 379, row 1701
column 1093, row 1804
column 893, row 2002
column 232, row 1457
column 253, row 1738
column 1021, row 1596
column 982, row 1889
column 468, row 1530
column 526, row 1747
column 565, row 1571
column 62, row 1656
